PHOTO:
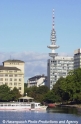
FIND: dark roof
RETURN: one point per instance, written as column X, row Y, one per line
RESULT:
column 14, row 60
column 8, row 68
column 36, row 77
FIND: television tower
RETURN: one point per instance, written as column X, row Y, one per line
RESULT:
column 53, row 45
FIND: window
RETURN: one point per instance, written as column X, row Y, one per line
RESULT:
column 16, row 63
column 1, row 79
column 10, row 75
column 15, row 83
column 19, row 88
column 1, row 75
column 10, row 79
column 15, row 71
column 10, row 71
column 6, row 79
column 6, row 75
column 15, row 75
column 19, row 79
column 20, row 75
column 6, row 83
column 15, row 79
column 19, row 83
column 55, row 79
column 10, row 83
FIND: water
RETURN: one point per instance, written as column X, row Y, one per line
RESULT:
column 51, row 116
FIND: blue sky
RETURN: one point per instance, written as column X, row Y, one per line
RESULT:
column 25, row 27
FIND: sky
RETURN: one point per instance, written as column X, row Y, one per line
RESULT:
column 25, row 28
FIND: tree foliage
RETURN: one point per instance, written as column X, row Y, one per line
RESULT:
column 8, row 95
column 65, row 89
column 37, row 93
column 15, row 94
column 69, row 88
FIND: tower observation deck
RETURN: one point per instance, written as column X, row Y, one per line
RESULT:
column 57, row 66
column 53, row 45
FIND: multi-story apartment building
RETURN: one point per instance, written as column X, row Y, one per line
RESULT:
column 37, row 81
column 77, row 58
column 12, row 74
column 58, row 67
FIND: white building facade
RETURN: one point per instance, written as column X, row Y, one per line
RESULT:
column 58, row 67
column 37, row 81
column 12, row 74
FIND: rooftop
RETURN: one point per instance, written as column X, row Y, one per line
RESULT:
column 14, row 60
column 77, row 51
column 8, row 68
column 36, row 77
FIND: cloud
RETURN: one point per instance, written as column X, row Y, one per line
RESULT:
column 35, row 63
column 65, row 54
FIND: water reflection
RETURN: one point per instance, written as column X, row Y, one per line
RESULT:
column 68, row 110
column 57, row 114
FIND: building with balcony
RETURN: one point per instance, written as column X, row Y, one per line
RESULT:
column 37, row 81
column 58, row 67
column 77, row 58
column 12, row 74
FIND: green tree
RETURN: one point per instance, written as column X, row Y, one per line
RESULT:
column 15, row 94
column 37, row 93
column 58, row 89
column 50, row 97
column 5, row 93
column 69, row 88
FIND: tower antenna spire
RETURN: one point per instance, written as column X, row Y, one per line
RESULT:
column 53, row 45
column 53, row 20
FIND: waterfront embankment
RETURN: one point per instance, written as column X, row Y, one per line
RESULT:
column 77, row 106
